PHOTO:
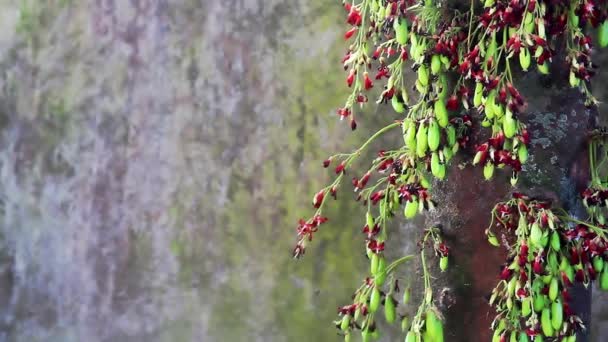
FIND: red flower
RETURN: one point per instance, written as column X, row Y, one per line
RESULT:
column 350, row 33
column 452, row 103
column 354, row 17
column 318, row 199
column 375, row 246
column 368, row 84
column 340, row 168
column 351, row 78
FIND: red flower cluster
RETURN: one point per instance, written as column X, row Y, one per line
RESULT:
column 306, row 230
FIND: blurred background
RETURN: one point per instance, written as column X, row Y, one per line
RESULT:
column 155, row 158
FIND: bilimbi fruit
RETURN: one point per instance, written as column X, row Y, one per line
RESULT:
column 401, row 32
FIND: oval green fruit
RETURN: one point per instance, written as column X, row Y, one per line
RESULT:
column 451, row 134
column 434, row 326
column 555, row 242
column 441, row 113
column 509, row 126
column 524, row 58
column 543, row 68
column 488, row 170
column 598, row 264
column 526, row 307
column 373, row 264
column 477, row 96
column 411, row 208
column 539, row 303
column 410, row 337
column 443, row 263
column 604, row 280
column 545, row 322
column 374, row 300
column 410, row 137
column 423, row 75
column 389, row 309
column 422, row 143
column 602, row 34
column 435, row 64
column 557, row 315
column 401, row 32
column 435, row 164
column 433, row 135
column 522, row 153
column 553, row 289
column 523, row 337
column 345, row 322
column 406, row 296
column 398, row 106
column 535, row 234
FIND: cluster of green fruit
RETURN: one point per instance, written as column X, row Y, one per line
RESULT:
column 426, row 325
column 547, row 257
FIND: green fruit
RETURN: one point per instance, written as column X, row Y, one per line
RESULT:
column 435, row 164
column 443, row 263
column 488, row 3
column 345, row 322
column 522, row 153
column 555, row 243
column 347, row 337
column 488, row 170
column 526, row 307
column 380, row 276
column 513, row 337
column 543, row 68
column 545, row 322
column 598, row 264
column 405, row 323
column 401, row 34
column 435, row 64
column 411, row 208
column 539, row 303
column 433, row 135
column 423, row 75
column 478, row 94
column 553, row 289
column 524, row 59
column 604, row 280
column 447, row 153
column 523, row 337
column 602, row 34
column 410, row 337
column 574, row 81
column 434, row 327
column 557, row 315
column 406, row 296
column 451, row 135
column 389, row 309
column 374, row 300
column 443, row 83
column 496, row 336
column 509, row 126
column 441, row 171
column 441, row 113
column 366, row 336
column 535, row 234
column 422, row 143
column 410, row 137
column 374, row 264
column 529, row 23
column 398, row 106
column 490, row 105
